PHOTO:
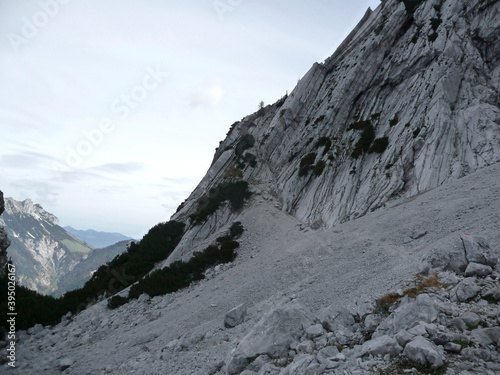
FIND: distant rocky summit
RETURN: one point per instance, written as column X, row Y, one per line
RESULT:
column 97, row 239
column 45, row 253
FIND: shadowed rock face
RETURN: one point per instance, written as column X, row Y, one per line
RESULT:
column 4, row 240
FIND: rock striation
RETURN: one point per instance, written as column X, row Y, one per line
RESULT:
column 406, row 103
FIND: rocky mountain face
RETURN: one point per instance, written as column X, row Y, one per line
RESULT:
column 409, row 101
column 95, row 238
column 44, row 253
column 370, row 240
column 4, row 240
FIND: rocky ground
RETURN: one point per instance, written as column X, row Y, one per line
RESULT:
column 292, row 281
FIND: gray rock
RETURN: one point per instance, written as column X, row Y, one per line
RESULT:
column 453, row 348
column 423, row 351
column 334, row 317
column 314, row 331
column 380, row 346
column 447, row 257
column 327, row 354
column 470, row 318
column 302, row 365
column 493, row 293
column 403, row 337
column 235, row 316
column 478, row 250
column 305, row 347
column 486, row 336
column 372, row 321
column 465, row 290
column 422, row 309
column 65, row 363
column 272, row 335
column 477, row 269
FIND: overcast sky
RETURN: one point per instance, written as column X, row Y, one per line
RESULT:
column 111, row 110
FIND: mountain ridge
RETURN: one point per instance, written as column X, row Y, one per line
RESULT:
column 97, row 239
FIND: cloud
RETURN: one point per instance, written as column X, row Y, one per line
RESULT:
column 119, row 167
column 26, row 160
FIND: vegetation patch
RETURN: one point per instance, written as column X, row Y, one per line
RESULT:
column 181, row 274
column 366, row 139
column 411, row 5
column 326, row 142
column 379, row 145
column 124, row 270
column 394, row 121
column 245, row 143
column 306, row 164
column 233, row 192
column 116, row 301
column 319, row 167
column 403, row 365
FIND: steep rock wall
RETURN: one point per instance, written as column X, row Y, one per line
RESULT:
column 429, row 82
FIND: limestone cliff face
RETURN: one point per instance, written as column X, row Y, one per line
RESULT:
column 409, row 101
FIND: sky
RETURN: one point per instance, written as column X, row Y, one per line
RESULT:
column 111, row 110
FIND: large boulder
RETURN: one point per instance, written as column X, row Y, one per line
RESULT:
column 478, row 250
column 235, row 316
column 465, row 290
column 423, row 351
column 382, row 346
column 272, row 335
column 459, row 254
column 422, row 309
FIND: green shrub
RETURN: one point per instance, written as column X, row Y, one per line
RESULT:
column 366, row 139
column 233, row 192
column 181, row 274
column 411, row 5
column 432, row 37
column 116, row 301
column 326, row 142
column 379, row 145
column 319, row 167
column 244, row 144
column 435, row 23
column 124, row 270
column 306, row 163
column 394, row 121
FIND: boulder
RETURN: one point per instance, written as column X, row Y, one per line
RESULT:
column 447, row 257
column 477, row 269
column 380, row 346
column 470, row 318
column 423, row 351
column 272, row 335
column 478, row 250
column 335, row 317
column 235, row 316
column 422, row 309
column 465, row 290
column 314, row 331
column 486, row 336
